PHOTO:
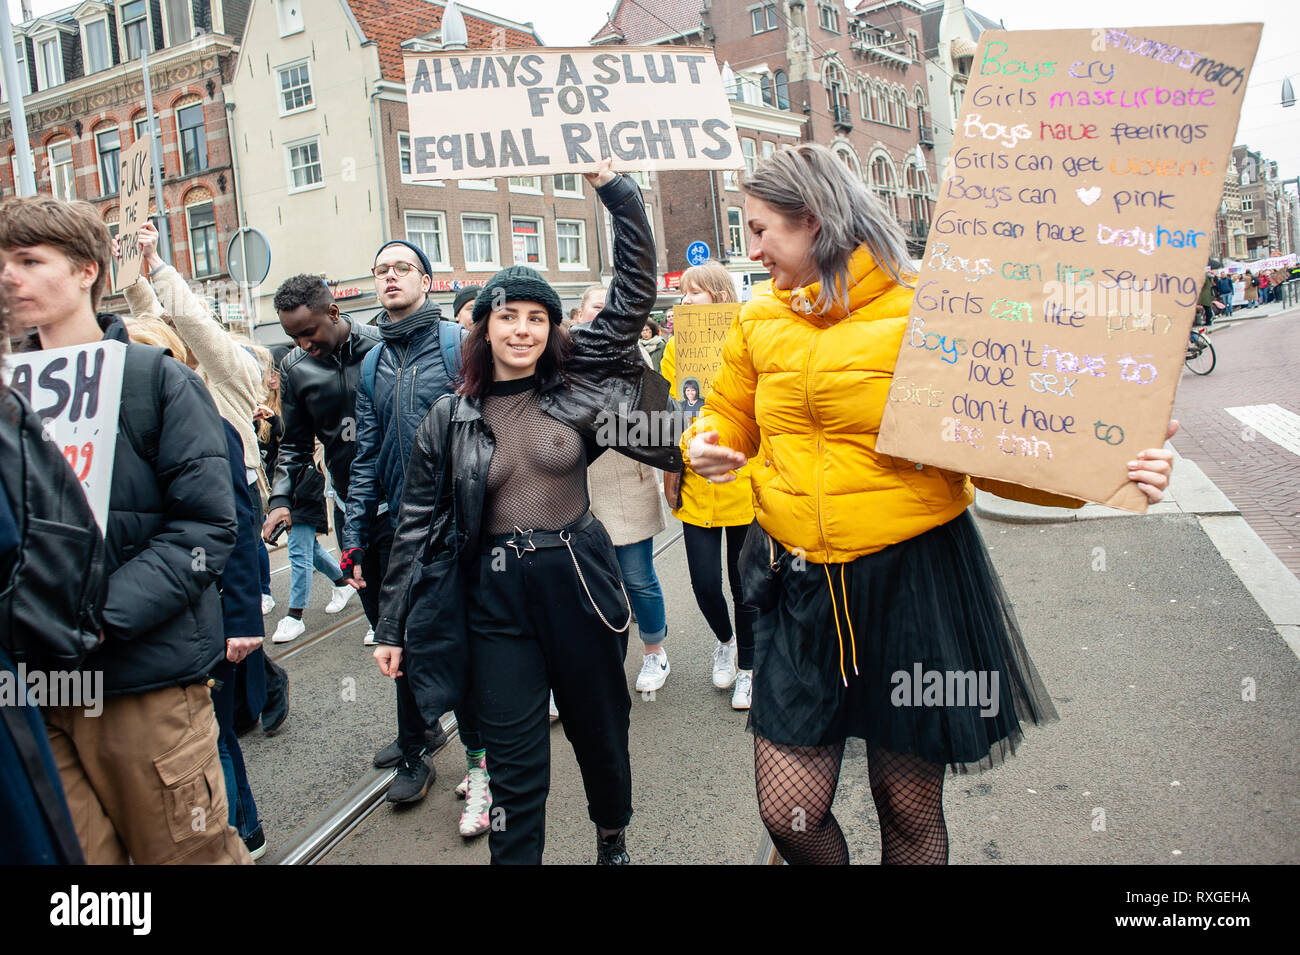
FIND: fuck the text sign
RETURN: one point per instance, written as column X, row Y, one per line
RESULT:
column 1069, row 245
column 480, row 114
column 76, row 392
column 134, row 210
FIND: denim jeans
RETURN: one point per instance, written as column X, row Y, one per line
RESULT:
column 305, row 551
column 239, row 796
column 636, row 561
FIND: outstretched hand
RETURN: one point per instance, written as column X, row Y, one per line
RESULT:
column 714, row 461
column 1151, row 469
column 603, row 175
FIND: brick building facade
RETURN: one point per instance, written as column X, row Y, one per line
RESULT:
column 84, row 103
column 852, row 80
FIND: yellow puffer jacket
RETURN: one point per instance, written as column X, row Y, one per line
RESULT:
column 705, row 504
column 802, row 395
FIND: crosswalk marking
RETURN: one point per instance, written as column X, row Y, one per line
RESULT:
column 1274, row 422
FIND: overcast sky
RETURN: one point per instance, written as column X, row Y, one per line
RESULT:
column 1264, row 126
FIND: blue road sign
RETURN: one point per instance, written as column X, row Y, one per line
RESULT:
column 697, row 253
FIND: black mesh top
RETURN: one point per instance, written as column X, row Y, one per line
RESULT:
column 538, row 476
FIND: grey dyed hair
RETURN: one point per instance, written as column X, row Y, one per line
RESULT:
column 808, row 181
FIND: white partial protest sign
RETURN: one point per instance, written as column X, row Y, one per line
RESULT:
column 76, row 392
column 480, row 114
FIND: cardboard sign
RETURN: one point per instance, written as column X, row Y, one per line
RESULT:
column 76, row 392
column 1051, row 316
column 481, row 113
column 134, row 211
column 698, row 334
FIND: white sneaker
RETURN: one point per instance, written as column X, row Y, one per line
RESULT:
column 654, row 672
column 744, row 692
column 475, row 818
column 339, row 599
column 555, row 712
column 268, row 604
column 724, row 665
column 288, row 629
column 369, row 640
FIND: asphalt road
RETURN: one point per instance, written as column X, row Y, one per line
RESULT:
column 1145, row 661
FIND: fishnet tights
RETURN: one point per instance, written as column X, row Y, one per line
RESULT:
column 796, row 786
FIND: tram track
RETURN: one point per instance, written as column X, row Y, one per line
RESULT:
column 314, row 841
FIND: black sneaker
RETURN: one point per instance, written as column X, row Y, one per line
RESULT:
column 412, row 781
column 391, row 754
column 611, row 850
column 255, row 842
column 276, row 711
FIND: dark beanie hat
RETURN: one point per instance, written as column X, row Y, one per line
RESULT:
column 419, row 253
column 467, row 294
column 518, row 283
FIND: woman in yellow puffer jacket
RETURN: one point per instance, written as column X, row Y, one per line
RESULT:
column 709, row 512
column 889, row 575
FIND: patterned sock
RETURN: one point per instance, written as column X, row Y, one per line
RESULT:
column 473, row 757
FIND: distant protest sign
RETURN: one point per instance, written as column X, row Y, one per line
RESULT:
column 76, row 392
column 134, row 211
column 1069, row 244
column 480, row 114
column 698, row 334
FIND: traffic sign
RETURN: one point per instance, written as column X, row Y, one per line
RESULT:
column 251, row 243
column 697, row 253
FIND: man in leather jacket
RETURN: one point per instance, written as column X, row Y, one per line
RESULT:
column 410, row 374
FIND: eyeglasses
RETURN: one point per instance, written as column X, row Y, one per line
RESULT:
column 400, row 269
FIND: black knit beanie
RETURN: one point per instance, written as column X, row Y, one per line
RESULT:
column 467, row 294
column 419, row 253
column 518, row 283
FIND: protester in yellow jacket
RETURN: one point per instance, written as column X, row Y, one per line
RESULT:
column 888, row 576
column 708, row 513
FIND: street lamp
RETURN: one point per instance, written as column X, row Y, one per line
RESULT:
column 1288, row 94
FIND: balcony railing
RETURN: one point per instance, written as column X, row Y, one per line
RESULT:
column 842, row 118
column 926, row 135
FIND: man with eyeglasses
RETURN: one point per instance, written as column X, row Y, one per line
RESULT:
column 416, row 364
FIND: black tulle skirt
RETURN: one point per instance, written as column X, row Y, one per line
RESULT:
column 914, row 648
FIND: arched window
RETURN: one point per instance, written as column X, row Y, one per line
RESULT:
column 766, row 83
column 918, row 97
column 845, row 154
column 837, row 94
column 900, row 98
column 884, row 182
column 873, row 101
column 782, row 89
column 917, row 182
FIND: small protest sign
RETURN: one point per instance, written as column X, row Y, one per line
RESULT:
column 134, row 211
column 1056, row 295
column 483, row 113
column 76, row 392
column 698, row 334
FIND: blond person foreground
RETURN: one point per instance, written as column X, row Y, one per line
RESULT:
column 896, row 572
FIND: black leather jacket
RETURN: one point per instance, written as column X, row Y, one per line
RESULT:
column 318, row 398
column 608, row 387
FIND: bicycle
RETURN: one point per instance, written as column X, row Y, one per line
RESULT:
column 1200, row 358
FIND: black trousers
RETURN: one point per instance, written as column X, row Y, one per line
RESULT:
column 704, row 561
column 411, row 727
column 533, row 627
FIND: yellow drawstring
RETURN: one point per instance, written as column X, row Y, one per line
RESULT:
column 849, row 620
column 838, row 634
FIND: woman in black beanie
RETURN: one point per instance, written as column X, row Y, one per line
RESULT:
column 544, row 599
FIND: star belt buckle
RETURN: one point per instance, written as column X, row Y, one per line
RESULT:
column 521, row 541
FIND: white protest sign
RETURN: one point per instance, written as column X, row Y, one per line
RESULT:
column 76, row 392
column 134, row 212
column 478, row 114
